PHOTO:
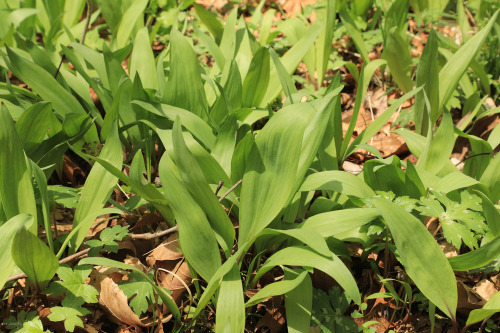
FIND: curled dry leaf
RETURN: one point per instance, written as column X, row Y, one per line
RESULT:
column 116, row 302
column 468, row 299
column 176, row 279
column 136, row 263
column 168, row 250
column 485, row 289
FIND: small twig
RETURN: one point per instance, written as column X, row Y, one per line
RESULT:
column 219, row 187
column 230, row 190
column 70, row 258
column 154, row 235
column 59, row 67
column 87, row 22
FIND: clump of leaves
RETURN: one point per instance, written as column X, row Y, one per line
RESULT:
column 107, row 240
column 329, row 309
column 460, row 220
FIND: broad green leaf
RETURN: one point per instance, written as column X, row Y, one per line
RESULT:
column 491, row 213
column 33, row 125
column 44, row 84
column 35, row 259
column 455, row 68
column 98, row 186
column 490, row 308
column 287, row 84
column 454, row 181
column 210, row 20
column 477, row 258
column 196, row 237
column 167, row 300
column 438, row 148
column 337, row 222
column 7, row 232
column 308, row 236
column 270, row 172
column 257, row 79
column 225, row 143
column 427, row 76
column 304, row 256
column 41, row 182
column 143, row 61
column 16, row 190
column 276, row 288
column 230, row 304
column 338, row 181
column 298, row 303
column 324, row 43
column 190, row 121
column 128, row 22
column 397, row 54
column 421, row 256
column 491, row 178
column 184, row 86
column 195, row 182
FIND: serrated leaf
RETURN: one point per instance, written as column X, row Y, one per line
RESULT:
column 70, row 312
column 140, row 290
column 73, row 284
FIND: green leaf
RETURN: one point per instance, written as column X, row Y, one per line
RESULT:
column 305, row 256
column 33, row 124
column 438, row 148
column 73, row 284
column 477, row 258
column 98, row 186
column 298, row 302
column 128, row 22
column 16, row 190
column 140, row 290
column 287, row 83
column 44, row 85
column 397, row 54
column 195, row 182
column 36, row 260
column 210, row 20
column 270, row 172
column 230, row 305
column 338, row 181
column 143, row 61
column 196, row 237
column 70, row 312
column 7, row 233
column 184, row 86
column 455, row 68
column 276, row 288
column 490, row 308
column 427, row 76
column 257, row 79
column 491, row 178
column 337, row 222
column 421, row 256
